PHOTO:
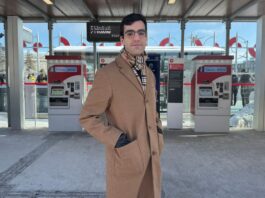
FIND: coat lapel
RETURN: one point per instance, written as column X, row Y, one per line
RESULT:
column 149, row 82
column 128, row 73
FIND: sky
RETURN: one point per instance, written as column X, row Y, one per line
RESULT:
column 205, row 31
column 156, row 32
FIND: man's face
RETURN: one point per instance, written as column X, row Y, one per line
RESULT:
column 135, row 38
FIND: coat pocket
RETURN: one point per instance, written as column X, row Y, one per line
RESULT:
column 160, row 142
column 128, row 160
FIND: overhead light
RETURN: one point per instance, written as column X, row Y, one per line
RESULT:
column 49, row 2
column 171, row 1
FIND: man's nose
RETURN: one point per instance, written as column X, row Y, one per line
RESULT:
column 136, row 36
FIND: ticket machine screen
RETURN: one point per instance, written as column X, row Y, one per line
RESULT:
column 205, row 91
column 57, row 91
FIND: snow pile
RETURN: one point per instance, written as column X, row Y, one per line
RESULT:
column 243, row 118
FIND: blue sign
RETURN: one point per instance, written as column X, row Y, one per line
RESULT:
column 66, row 69
column 214, row 69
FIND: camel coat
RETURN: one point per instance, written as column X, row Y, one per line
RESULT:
column 132, row 171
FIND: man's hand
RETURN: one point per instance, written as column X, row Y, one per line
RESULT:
column 159, row 130
column 122, row 141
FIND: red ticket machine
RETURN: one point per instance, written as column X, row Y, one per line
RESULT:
column 66, row 91
column 211, row 93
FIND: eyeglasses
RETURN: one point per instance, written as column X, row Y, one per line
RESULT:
column 131, row 33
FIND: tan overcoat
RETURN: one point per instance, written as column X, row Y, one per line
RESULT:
column 117, row 93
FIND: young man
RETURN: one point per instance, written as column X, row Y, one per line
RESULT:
column 125, row 92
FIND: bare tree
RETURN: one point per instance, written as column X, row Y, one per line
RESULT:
column 29, row 62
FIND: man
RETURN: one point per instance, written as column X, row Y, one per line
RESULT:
column 245, row 88
column 42, row 77
column 125, row 91
column 234, row 89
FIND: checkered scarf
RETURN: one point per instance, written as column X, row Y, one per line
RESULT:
column 138, row 66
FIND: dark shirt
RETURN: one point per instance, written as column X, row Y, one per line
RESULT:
column 41, row 78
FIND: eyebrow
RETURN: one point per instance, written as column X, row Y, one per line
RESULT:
column 135, row 30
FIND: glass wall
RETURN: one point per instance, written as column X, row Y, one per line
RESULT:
column 199, row 35
column 164, row 34
column 243, row 48
column 3, row 90
column 35, row 75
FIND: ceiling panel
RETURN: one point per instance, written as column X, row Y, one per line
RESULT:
column 152, row 8
column 120, row 8
column 254, row 10
column 70, row 7
column 116, row 9
column 261, row 8
column 220, row 10
column 235, row 5
column 205, row 7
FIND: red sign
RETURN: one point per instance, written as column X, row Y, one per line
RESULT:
column 176, row 66
column 59, row 73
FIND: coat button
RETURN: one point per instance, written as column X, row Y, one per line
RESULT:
column 146, row 101
column 150, row 127
column 153, row 153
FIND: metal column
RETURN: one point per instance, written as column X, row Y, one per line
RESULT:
column 16, row 72
column 7, row 75
column 182, row 27
column 228, row 27
column 259, row 108
column 50, row 28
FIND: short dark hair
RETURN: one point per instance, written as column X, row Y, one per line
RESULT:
column 130, row 19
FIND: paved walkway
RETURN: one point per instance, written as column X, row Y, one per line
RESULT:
column 36, row 163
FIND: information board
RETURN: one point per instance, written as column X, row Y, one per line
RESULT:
column 103, row 31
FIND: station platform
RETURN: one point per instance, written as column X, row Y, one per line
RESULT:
column 38, row 163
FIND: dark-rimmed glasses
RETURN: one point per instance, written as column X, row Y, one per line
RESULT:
column 131, row 33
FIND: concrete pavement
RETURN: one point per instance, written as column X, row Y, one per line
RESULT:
column 37, row 163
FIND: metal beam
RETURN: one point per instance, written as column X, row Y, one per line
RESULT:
column 242, row 8
column 149, row 19
column 162, row 7
column 110, row 10
column 89, row 11
column 54, row 5
column 43, row 13
column 192, row 6
column 219, row 3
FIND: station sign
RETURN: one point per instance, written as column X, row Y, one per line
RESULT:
column 103, row 32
